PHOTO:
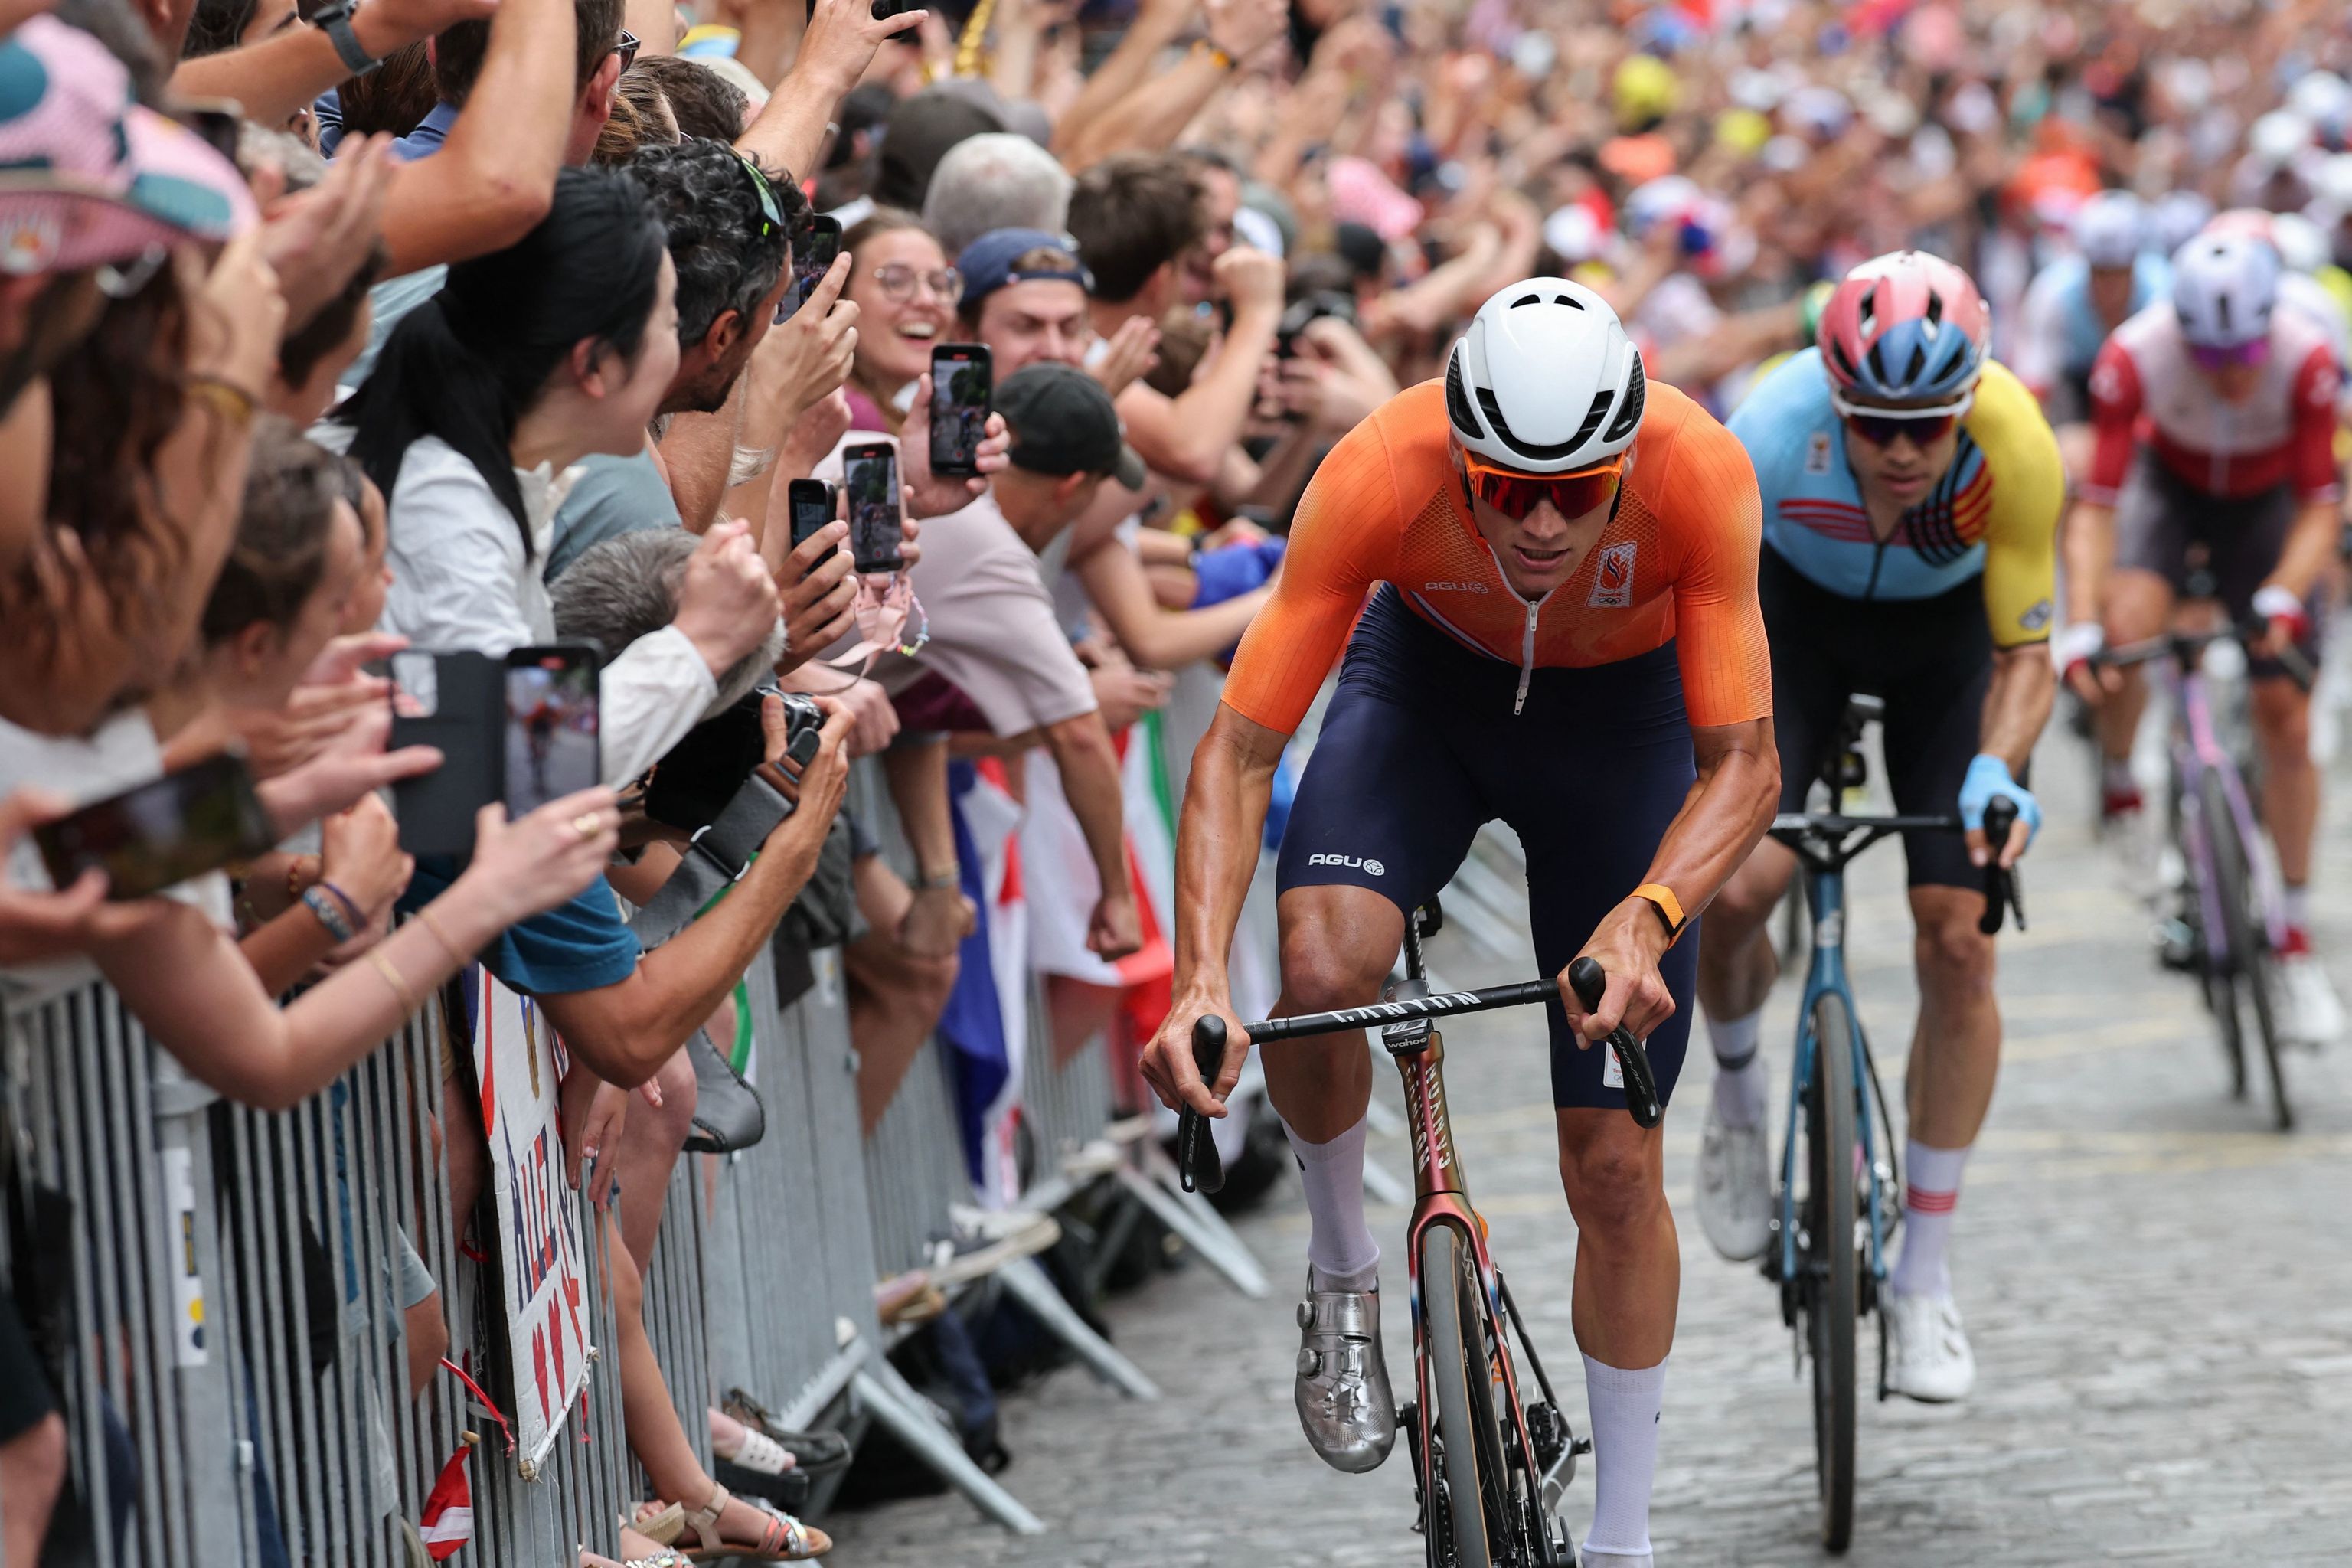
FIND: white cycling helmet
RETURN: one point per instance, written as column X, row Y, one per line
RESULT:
column 2278, row 136
column 2223, row 289
column 1545, row 381
column 2111, row 228
column 2322, row 99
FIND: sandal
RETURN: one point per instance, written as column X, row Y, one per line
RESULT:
column 783, row 1538
column 661, row 1524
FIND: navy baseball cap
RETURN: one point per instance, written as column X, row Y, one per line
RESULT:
column 987, row 263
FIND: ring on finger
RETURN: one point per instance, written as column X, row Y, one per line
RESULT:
column 586, row 824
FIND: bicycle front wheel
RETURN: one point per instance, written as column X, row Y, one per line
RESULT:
column 1833, row 1276
column 1465, row 1466
column 2250, row 957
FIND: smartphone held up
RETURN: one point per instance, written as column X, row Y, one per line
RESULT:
column 962, row 390
column 877, row 525
column 811, row 262
column 160, row 834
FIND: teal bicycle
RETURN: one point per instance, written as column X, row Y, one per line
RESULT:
column 1827, row 1251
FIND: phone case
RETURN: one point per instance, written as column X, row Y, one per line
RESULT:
column 467, row 725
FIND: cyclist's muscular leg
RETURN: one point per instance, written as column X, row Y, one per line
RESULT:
column 2290, row 781
column 1736, row 962
column 2139, row 606
column 1337, row 944
column 1628, row 1265
column 1956, row 1047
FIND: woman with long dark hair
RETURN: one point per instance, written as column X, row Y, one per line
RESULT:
column 527, row 360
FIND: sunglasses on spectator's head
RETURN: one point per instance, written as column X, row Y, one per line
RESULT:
column 1881, row 427
column 627, row 48
column 897, row 281
column 1514, row 494
column 772, row 215
column 2207, row 358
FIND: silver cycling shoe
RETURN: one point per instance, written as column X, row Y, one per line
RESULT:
column 1342, row 1391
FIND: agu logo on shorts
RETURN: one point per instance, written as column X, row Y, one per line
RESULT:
column 1352, row 862
column 1613, row 578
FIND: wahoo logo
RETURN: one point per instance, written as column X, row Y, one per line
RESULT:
column 1352, row 862
column 1453, row 588
column 1613, row 578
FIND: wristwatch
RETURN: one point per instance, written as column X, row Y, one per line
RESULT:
column 336, row 19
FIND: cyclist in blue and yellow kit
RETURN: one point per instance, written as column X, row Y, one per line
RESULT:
column 1911, row 491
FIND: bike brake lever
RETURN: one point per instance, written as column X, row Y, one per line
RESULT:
column 2001, row 889
column 1198, row 1164
column 1590, row 981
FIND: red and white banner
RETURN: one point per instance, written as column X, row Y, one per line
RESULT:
column 541, row 1259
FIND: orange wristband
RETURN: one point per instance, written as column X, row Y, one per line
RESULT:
column 1669, row 908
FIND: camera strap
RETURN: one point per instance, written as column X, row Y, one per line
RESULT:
column 721, row 852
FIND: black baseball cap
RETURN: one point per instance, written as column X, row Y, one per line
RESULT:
column 1063, row 422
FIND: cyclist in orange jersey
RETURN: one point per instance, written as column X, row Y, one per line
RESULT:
column 1561, row 633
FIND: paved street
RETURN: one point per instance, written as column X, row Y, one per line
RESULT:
column 2159, row 1291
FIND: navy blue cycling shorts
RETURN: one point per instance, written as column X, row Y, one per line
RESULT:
column 1420, row 748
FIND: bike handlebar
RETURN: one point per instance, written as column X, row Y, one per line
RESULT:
column 1632, row 1058
column 2001, row 884
column 2186, row 646
column 2003, row 896
column 1197, row 1160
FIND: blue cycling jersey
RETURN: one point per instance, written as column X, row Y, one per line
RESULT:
column 1993, row 513
column 2059, row 330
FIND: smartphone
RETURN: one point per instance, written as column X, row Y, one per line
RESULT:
column 870, row 475
column 551, row 715
column 160, row 834
column 812, row 505
column 962, row 388
column 809, row 262
column 455, row 703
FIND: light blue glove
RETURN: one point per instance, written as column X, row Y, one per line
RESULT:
column 1988, row 776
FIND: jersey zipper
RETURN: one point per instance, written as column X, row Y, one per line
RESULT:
column 1526, row 659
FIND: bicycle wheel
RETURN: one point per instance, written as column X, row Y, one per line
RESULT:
column 1832, row 1273
column 2214, row 972
column 2250, row 958
column 1466, row 1465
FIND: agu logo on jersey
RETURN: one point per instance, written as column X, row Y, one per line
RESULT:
column 1353, row 863
column 1613, row 578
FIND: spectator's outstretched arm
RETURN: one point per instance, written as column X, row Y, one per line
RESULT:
column 835, row 52
column 626, row 1031
column 1157, row 24
column 1187, row 437
column 277, row 77
column 1089, row 768
column 1155, row 637
column 494, row 178
column 1154, row 113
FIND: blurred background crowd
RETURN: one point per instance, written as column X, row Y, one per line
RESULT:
column 331, row 331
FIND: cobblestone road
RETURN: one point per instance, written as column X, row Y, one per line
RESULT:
column 2159, row 1291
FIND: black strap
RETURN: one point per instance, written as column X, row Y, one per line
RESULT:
column 717, row 857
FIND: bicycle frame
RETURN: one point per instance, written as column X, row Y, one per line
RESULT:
column 2197, row 750
column 1824, row 869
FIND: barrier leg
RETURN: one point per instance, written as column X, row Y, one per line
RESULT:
column 1205, row 1230
column 1381, row 1185
column 1032, row 1287
column 881, row 1390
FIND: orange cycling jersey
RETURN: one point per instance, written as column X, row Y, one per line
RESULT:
column 1677, row 561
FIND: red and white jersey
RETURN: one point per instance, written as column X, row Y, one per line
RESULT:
column 2146, row 391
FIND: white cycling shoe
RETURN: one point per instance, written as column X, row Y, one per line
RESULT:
column 1928, row 1353
column 2310, row 1012
column 1735, row 1187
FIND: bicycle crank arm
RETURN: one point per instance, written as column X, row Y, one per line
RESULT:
column 1632, row 1058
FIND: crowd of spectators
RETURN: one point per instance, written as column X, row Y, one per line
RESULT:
column 332, row 331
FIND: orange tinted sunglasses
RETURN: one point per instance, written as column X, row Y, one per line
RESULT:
column 1514, row 494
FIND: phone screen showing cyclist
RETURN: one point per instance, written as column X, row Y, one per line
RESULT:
column 809, row 262
column 962, row 384
column 870, row 475
column 163, row 832
column 552, row 743
column 811, row 501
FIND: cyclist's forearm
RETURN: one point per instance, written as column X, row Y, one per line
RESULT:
column 1730, row 807
column 2310, row 546
column 1225, row 801
column 2017, row 705
column 2090, row 552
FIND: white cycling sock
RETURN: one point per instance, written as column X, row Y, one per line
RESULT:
column 1625, row 1407
column 1741, row 1086
column 2116, row 774
column 2297, row 901
column 1931, row 1191
column 1339, row 1247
